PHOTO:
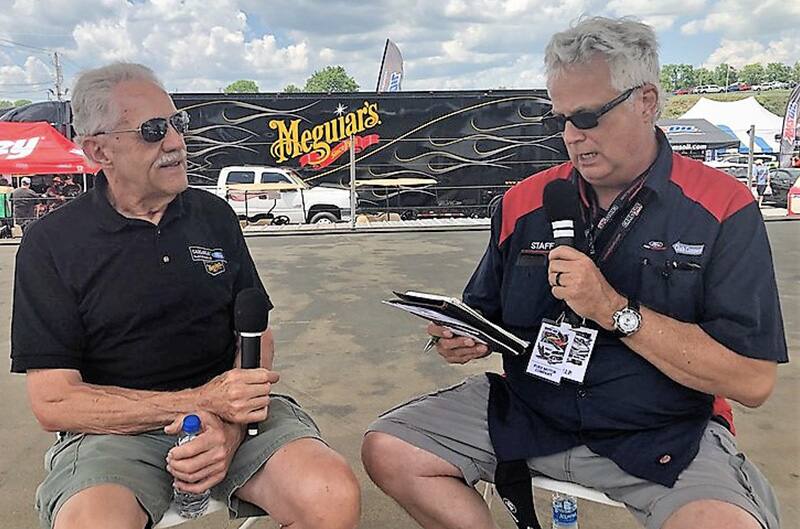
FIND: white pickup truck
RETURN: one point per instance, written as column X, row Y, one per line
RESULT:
column 278, row 194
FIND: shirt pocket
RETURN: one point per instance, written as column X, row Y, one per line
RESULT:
column 527, row 294
column 672, row 286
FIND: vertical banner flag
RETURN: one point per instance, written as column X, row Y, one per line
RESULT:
column 391, row 73
column 791, row 123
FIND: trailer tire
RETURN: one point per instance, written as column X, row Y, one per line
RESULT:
column 323, row 217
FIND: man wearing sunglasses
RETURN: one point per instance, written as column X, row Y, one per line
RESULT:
column 665, row 248
column 124, row 325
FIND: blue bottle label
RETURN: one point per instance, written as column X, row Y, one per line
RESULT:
column 565, row 511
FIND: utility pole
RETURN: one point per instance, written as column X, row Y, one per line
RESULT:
column 59, row 77
column 752, row 134
column 727, row 75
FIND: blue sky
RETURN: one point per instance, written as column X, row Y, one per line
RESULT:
column 197, row 45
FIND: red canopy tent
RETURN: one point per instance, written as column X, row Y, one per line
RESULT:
column 38, row 148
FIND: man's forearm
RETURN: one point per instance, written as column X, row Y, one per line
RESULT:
column 79, row 407
column 689, row 356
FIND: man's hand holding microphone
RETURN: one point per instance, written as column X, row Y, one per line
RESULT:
column 229, row 401
column 573, row 276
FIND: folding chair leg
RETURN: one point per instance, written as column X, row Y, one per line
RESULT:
column 247, row 523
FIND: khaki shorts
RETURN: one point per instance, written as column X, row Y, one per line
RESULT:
column 452, row 424
column 138, row 462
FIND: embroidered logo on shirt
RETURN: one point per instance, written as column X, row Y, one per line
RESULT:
column 543, row 245
column 688, row 249
column 656, row 246
column 213, row 259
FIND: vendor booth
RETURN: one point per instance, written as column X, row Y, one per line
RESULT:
column 697, row 138
column 37, row 148
column 736, row 118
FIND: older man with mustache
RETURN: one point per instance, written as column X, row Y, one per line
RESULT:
column 123, row 325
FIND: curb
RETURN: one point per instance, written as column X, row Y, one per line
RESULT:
column 432, row 225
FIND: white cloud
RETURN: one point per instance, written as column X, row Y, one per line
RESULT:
column 740, row 52
column 660, row 15
column 31, row 80
column 105, row 41
column 472, row 44
column 747, row 18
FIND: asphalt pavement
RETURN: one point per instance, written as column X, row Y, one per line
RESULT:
column 347, row 358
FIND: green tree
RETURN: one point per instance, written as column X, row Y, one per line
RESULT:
column 796, row 72
column 242, row 86
column 777, row 71
column 685, row 76
column 5, row 103
column 22, row 102
column 752, row 73
column 292, row 88
column 669, row 77
column 331, row 79
column 703, row 76
column 725, row 74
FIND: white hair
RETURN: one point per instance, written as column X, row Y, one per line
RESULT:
column 92, row 107
column 629, row 47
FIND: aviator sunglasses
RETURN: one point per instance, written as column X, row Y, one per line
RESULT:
column 155, row 129
column 585, row 119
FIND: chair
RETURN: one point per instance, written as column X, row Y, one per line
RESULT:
column 172, row 518
column 564, row 487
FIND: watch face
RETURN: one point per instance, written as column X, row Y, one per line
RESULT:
column 627, row 320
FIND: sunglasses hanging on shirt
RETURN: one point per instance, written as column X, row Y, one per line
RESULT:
column 155, row 129
column 585, row 119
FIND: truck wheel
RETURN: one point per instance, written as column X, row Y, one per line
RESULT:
column 323, row 217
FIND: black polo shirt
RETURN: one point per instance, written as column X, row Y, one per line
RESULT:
column 698, row 242
column 126, row 302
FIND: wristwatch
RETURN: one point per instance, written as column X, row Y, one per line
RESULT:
column 627, row 320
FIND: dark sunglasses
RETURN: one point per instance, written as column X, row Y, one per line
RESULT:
column 155, row 129
column 583, row 120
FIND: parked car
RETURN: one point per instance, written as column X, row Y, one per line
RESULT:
column 738, row 87
column 781, row 181
column 707, row 89
column 683, row 91
column 772, row 85
column 280, row 195
column 742, row 159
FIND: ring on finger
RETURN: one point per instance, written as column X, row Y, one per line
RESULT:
column 558, row 279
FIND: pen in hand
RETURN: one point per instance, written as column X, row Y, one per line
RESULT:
column 432, row 341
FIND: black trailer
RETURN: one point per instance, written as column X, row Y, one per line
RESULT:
column 451, row 152
column 472, row 144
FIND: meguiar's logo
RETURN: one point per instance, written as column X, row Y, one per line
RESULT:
column 314, row 145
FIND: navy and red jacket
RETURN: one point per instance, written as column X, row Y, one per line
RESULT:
column 626, row 409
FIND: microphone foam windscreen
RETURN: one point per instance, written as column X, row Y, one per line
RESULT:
column 561, row 201
column 251, row 311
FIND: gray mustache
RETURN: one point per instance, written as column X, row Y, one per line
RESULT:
column 172, row 157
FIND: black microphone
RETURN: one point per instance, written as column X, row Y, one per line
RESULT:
column 563, row 209
column 562, row 206
column 250, row 318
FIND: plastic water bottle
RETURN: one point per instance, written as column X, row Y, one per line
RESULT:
column 565, row 511
column 190, row 505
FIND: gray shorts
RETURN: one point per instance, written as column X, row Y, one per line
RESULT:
column 138, row 462
column 452, row 424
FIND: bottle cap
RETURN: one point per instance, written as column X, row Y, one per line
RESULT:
column 191, row 424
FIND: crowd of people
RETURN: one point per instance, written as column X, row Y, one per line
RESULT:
column 662, row 247
column 34, row 197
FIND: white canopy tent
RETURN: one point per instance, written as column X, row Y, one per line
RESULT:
column 736, row 117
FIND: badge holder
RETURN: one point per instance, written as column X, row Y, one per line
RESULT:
column 561, row 351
